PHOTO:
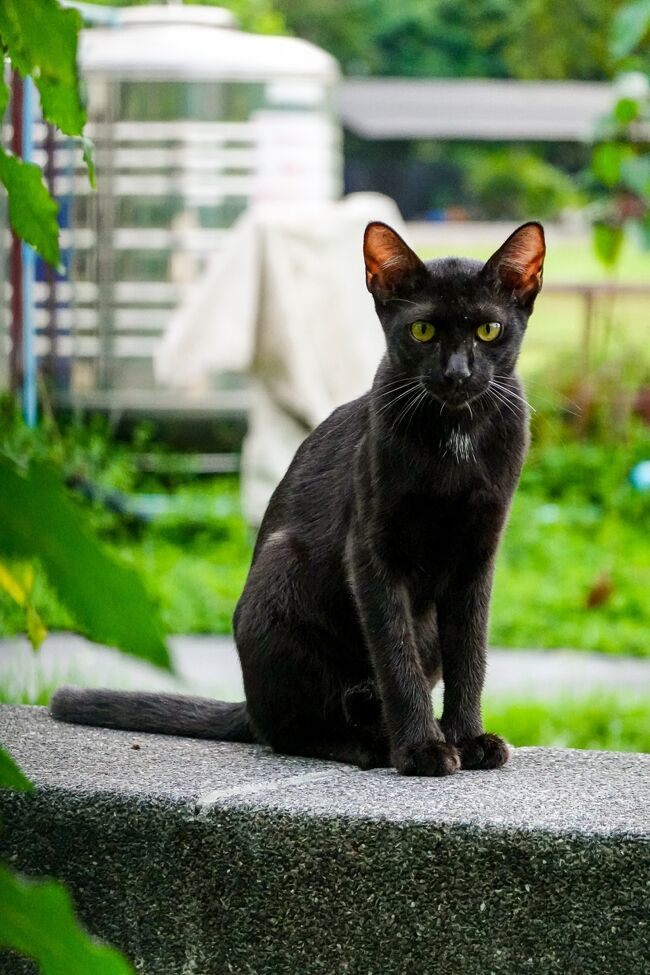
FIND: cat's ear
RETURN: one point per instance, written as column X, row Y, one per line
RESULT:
column 391, row 265
column 518, row 264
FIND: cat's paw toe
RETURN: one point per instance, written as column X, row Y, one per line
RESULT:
column 427, row 758
column 484, row 752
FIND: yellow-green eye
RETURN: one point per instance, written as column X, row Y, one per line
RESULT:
column 422, row 331
column 489, row 332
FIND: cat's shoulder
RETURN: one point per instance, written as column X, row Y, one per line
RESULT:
column 345, row 423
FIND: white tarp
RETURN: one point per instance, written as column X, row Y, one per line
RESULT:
column 286, row 303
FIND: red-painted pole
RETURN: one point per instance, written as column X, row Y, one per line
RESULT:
column 16, row 260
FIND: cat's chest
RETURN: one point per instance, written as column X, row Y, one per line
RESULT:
column 456, row 446
column 429, row 534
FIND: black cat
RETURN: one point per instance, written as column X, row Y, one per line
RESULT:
column 372, row 571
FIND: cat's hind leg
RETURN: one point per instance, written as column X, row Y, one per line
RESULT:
column 313, row 715
column 296, row 687
column 351, row 752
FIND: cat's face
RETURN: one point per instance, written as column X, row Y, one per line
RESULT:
column 456, row 325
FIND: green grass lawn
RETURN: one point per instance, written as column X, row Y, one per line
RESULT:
column 613, row 723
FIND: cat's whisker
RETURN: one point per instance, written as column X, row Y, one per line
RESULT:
column 411, row 384
column 507, row 388
column 495, row 402
column 411, row 407
column 397, row 388
column 406, row 301
column 418, row 403
column 561, row 401
column 396, row 399
column 517, row 409
column 513, row 408
column 395, row 382
column 404, row 412
column 511, row 392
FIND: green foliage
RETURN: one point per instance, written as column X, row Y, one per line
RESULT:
column 630, row 27
column 577, row 523
column 257, row 16
column 549, row 39
column 32, row 211
column 37, row 919
column 19, row 585
column 194, row 560
column 11, row 776
column 613, row 722
column 40, row 38
column 515, row 184
column 4, row 95
column 533, row 39
column 618, row 177
column 196, row 567
column 108, row 600
column 410, row 39
column 89, row 159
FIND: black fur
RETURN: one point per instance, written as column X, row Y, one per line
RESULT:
column 372, row 572
column 162, row 714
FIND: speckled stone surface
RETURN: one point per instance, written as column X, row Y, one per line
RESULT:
column 210, row 858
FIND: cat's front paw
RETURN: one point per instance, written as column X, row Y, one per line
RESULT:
column 427, row 758
column 484, row 752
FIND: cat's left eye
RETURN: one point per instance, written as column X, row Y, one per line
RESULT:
column 489, row 331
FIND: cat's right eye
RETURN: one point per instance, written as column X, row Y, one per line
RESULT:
column 423, row 331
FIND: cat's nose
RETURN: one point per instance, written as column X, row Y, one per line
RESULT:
column 457, row 369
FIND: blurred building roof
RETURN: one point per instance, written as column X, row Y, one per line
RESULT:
column 398, row 108
column 192, row 43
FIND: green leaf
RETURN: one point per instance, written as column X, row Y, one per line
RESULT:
column 11, row 776
column 41, row 39
column 107, row 600
column 60, row 108
column 32, row 211
column 36, row 631
column 626, row 110
column 608, row 241
column 4, row 94
column 20, row 590
column 13, row 586
column 37, row 920
column 630, row 26
column 606, row 162
column 635, row 174
column 89, row 159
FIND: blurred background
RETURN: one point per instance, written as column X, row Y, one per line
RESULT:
column 210, row 309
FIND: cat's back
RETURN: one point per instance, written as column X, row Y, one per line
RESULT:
column 312, row 498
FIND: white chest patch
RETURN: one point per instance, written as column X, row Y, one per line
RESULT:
column 459, row 445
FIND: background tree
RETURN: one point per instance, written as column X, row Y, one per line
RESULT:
column 618, row 177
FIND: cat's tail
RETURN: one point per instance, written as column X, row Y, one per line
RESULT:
column 162, row 714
